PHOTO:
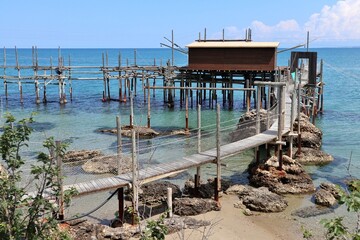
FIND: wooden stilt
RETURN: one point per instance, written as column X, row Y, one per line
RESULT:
column 218, row 160
column 121, row 206
column 119, row 145
column 149, row 106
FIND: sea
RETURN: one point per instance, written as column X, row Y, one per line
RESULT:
column 78, row 121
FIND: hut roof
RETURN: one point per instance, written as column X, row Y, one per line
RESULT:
column 232, row 44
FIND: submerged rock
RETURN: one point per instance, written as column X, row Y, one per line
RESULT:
column 292, row 179
column 311, row 156
column 156, row 192
column 194, row 206
column 107, row 164
column 143, row 132
column 312, row 211
column 81, row 155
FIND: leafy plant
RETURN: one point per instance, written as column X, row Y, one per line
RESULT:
column 307, row 234
column 24, row 215
column 351, row 198
column 155, row 229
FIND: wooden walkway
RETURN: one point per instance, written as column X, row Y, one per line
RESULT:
column 163, row 170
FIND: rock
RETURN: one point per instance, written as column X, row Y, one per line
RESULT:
column 177, row 223
column 309, row 140
column 107, row 164
column 144, row 132
column 180, row 132
column 205, row 190
column 194, row 206
column 312, row 211
column 262, row 200
column 311, row 156
column 156, row 192
column 292, row 179
column 332, row 188
column 86, row 231
column 245, row 210
column 235, row 189
column 326, row 195
column 324, row 198
column 81, row 155
column 246, row 126
column 311, row 136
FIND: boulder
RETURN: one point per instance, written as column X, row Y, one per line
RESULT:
column 156, row 192
column 324, row 198
column 311, row 136
column 205, row 190
column 246, row 126
column 311, row 156
column 81, row 155
column 262, row 200
column 326, row 195
column 291, row 179
column 107, row 164
column 194, row 206
column 236, row 189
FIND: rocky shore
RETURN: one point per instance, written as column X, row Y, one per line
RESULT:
column 266, row 192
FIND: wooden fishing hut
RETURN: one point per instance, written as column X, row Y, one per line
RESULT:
column 223, row 63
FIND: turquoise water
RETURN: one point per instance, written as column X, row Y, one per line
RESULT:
column 77, row 122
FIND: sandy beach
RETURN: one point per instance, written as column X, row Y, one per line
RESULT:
column 230, row 223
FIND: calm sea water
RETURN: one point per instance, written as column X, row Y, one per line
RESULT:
column 77, row 122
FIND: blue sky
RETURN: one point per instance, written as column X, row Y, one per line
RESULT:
column 140, row 23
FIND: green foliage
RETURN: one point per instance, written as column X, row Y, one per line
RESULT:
column 351, row 198
column 307, row 234
column 155, row 229
column 24, row 216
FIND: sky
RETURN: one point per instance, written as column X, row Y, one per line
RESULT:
column 145, row 23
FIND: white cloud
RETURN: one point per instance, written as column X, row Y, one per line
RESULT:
column 339, row 22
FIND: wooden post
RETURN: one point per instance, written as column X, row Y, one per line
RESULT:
column 280, row 124
column 187, row 110
column 298, row 116
column 119, row 145
column 5, row 83
column 258, row 102
column 134, row 178
column 19, row 77
column 322, row 87
column 104, row 76
column 248, row 95
column 198, row 169
column 218, row 160
column 120, row 78
column 60, row 180
column 148, row 104
column 313, row 109
column 70, row 79
column 121, row 205
column 291, row 134
column 131, row 110
column 172, row 47
column 169, row 202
